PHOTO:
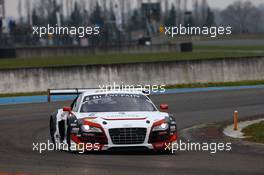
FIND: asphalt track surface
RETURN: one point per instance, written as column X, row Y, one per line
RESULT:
column 21, row 125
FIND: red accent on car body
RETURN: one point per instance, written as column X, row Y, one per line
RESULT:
column 97, row 125
column 164, row 106
column 157, row 123
column 66, row 109
column 162, row 145
column 77, row 140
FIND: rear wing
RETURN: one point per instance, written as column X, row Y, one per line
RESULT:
column 78, row 91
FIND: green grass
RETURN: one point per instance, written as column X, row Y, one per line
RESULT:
column 229, row 48
column 217, row 84
column 243, row 36
column 116, row 58
column 255, row 132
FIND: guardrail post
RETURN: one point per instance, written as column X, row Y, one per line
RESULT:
column 235, row 120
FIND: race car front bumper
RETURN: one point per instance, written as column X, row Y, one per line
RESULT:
column 127, row 137
column 158, row 146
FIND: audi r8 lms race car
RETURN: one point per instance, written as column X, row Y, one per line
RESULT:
column 98, row 121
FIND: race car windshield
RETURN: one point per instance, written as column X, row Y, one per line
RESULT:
column 116, row 103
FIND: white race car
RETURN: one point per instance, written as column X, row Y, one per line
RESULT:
column 99, row 120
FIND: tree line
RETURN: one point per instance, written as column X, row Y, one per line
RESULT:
column 119, row 25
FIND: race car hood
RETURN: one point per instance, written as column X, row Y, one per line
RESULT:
column 123, row 119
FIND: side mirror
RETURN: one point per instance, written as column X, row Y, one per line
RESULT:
column 164, row 107
column 67, row 109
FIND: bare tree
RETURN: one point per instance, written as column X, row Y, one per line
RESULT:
column 2, row 9
column 28, row 11
column 196, row 10
column 238, row 15
column 204, row 9
column 62, row 7
column 19, row 9
column 139, row 3
column 257, row 20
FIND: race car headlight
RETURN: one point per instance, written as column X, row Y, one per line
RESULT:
column 87, row 128
column 161, row 127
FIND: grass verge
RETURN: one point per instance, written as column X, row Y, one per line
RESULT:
column 216, row 48
column 94, row 59
column 255, row 132
column 217, row 84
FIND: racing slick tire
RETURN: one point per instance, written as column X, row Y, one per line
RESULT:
column 52, row 126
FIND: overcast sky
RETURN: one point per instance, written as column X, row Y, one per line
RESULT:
column 12, row 5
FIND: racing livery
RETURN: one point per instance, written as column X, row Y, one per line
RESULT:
column 109, row 120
